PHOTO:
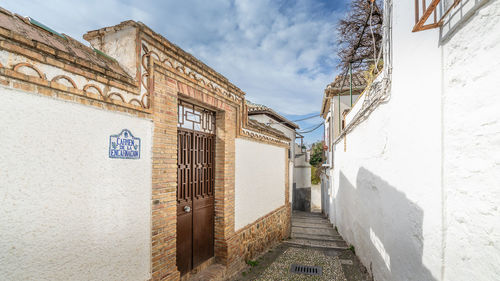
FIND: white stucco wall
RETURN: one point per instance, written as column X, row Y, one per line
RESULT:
column 471, row 134
column 416, row 191
column 290, row 133
column 259, row 180
column 316, row 198
column 67, row 211
column 302, row 172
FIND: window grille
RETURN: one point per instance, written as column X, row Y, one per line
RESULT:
column 195, row 118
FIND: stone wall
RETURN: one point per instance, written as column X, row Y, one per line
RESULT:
column 258, row 237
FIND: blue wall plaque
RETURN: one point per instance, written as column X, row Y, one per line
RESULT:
column 124, row 146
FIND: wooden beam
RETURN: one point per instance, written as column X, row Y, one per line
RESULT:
column 428, row 11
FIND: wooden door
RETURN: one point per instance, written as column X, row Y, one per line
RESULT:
column 195, row 191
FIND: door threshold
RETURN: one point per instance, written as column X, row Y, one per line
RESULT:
column 208, row 270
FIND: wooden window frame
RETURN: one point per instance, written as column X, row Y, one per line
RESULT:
column 427, row 11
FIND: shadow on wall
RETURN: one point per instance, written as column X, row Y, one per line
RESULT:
column 458, row 16
column 301, row 199
column 384, row 226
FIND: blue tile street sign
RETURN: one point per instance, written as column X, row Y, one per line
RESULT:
column 124, row 146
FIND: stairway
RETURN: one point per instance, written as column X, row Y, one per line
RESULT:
column 312, row 230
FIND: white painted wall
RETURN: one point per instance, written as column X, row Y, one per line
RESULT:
column 471, row 134
column 416, row 191
column 259, row 180
column 316, row 198
column 290, row 133
column 302, row 172
column 67, row 211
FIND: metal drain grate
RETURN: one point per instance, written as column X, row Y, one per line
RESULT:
column 306, row 269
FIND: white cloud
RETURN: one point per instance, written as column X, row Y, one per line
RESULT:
column 281, row 53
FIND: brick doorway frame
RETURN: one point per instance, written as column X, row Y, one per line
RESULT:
column 169, row 87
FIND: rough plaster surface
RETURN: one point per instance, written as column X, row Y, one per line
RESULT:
column 386, row 195
column 67, row 211
column 471, row 134
column 121, row 46
column 259, row 182
column 316, row 197
column 416, row 191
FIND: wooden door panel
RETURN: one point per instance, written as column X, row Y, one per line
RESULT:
column 203, row 231
column 195, row 198
column 184, row 242
column 203, row 198
column 184, row 200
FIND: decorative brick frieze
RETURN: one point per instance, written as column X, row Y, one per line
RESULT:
column 36, row 85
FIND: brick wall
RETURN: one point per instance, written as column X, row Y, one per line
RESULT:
column 165, row 74
column 231, row 249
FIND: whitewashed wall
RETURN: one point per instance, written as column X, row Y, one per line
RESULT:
column 259, row 180
column 290, row 133
column 67, row 211
column 471, row 134
column 302, row 172
column 416, row 191
column 316, row 198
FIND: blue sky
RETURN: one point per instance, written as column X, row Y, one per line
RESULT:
column 280, row 53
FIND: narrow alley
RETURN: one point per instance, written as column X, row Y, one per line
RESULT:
column 314, row 243
column 240, row 140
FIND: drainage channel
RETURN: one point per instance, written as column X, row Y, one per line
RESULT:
column 306, row 269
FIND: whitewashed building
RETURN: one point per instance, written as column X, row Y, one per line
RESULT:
column 298, row 175
column 414, row 178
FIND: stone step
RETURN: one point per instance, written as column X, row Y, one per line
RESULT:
column 313, row 230
column 215, row 272
column 318, row 244
column 308, row 217
column 318, row 222
column 295, row 212
column 335, row 238
column 312, row 225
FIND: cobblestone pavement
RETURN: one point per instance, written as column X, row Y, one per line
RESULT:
column 314, row 242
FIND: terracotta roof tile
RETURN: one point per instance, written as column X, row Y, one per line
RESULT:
column 358, row 81
column 254, row 109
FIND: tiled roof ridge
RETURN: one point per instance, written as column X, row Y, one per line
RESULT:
column 53, row 43
column 261, row 127
column 358, row 80
column 260, row 108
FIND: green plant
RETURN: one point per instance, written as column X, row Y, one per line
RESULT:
column 252, row 263
column 244, row 273
column 314, row 175
column 351, row 247
column 316, row 154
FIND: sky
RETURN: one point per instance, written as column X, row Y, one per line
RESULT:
column 280, row 53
